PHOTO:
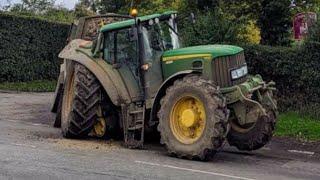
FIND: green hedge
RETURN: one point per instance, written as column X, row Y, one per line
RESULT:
column 295, row 70
column 29, row 48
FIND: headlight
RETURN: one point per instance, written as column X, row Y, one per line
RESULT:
column 239, row 73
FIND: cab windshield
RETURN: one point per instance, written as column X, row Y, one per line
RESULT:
column 159, row 36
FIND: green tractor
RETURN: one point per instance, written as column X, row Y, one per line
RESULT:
column 133, row 77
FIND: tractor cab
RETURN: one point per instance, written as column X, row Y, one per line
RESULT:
column 135, row 47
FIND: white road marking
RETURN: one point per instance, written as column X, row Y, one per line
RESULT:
column 36, row 124
column 13, row 121
column 194, row 170
column 302, row 152
column 24, row 145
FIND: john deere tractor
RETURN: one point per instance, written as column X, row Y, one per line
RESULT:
column 133, row 76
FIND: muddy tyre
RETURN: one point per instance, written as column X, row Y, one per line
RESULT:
column 81, row 102
column 257, row 137
column 57, row 121
column 193, row 118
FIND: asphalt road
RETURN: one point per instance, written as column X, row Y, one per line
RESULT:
column 30, row 148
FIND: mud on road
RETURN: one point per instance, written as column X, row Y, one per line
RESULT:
column 30, row 148
column 33, row 109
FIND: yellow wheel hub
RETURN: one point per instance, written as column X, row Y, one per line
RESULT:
column 99, row 128
column 188, row 119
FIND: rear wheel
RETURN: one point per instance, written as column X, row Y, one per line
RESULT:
column 107, row 125
column 81, row 103
column 193, row 118
column 57, row 122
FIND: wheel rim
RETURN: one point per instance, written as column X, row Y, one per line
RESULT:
column 100, row 127
column 69, row 98
column 188, row 119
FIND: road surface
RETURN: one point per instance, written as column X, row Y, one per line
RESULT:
column 30, row 148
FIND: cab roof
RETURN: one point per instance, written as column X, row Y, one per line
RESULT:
column 131, row 22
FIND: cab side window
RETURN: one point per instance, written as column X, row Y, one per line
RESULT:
column 121, row 48
column 109, row 47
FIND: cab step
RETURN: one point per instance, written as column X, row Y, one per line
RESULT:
column 133, row 125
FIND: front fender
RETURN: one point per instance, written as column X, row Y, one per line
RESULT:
column 105, row 73
column 162, row 92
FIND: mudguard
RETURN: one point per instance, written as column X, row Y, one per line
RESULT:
column 162, row 91
column 104, row 72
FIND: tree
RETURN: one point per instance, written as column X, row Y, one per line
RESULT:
column 32, row 6
column 245, row 9
column 299, row 6
column 89, row 4
column 59, row 13
column 207, row 4
column 44, row 9
column 314, row 34
column 275, row 22
column 211, row 28
column 81, row 11
column 111, row 6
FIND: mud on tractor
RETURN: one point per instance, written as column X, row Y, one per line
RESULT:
column 133, row 76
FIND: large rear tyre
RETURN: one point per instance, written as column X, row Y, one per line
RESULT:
column 81, row 102
column 57, row 121
column 193, row 118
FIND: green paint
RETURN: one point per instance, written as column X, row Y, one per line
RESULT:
column 214, row 50
column 131, row 22
column 171, row 67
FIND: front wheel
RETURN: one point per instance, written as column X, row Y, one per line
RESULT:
column 193, row 118
column 253, row 137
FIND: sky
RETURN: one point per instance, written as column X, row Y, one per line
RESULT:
column 66, row 3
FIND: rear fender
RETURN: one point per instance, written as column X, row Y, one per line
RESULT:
column 108, row 77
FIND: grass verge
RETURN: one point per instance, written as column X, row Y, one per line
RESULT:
column 32, row 86
column 291, row 124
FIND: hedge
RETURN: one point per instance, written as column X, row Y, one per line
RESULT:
column 295, row 70
column 29, row 48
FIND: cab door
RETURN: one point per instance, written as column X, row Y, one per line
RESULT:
column 121, row 50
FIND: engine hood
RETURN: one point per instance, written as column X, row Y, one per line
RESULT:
column 202, row 51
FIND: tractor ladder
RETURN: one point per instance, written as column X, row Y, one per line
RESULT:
column 133, row 125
